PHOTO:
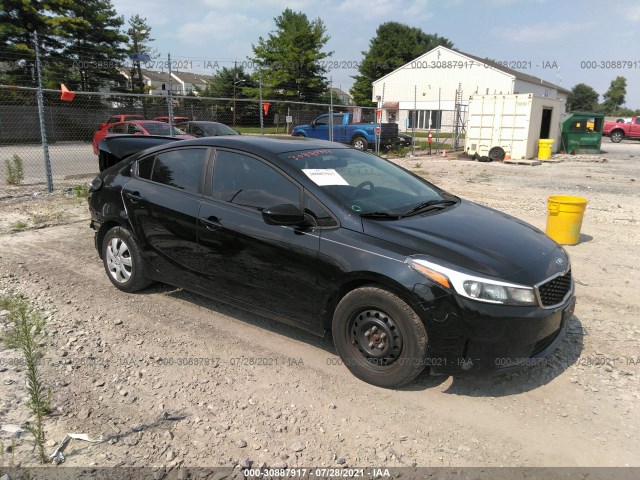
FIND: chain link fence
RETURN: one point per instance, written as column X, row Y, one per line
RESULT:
column 70, row 127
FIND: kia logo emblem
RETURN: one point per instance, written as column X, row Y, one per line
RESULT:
column 559, row 261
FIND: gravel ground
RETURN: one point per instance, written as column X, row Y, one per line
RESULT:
column 166, row 378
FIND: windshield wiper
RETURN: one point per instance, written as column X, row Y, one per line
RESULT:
column 381, row 215
column 430, row 205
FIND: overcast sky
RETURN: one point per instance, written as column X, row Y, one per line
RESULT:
column 562, row 41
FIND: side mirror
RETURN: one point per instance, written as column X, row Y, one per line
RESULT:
column 313, row 123
column 283, row 214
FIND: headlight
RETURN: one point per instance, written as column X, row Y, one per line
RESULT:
column 474, row 287
column 95, row 184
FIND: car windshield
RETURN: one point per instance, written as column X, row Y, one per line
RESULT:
column 367, row 184
column 161, row 129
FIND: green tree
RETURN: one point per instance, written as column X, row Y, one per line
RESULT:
column 614, row 97
column 290, row 58
column 19, row 21
column 222, row 84
column 583, row 98
column 394, row 45
column 233, row 83
column 139, row 38
column 97, row 45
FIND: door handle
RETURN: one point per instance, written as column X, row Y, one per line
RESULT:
column 133, row 196
column 211, row 223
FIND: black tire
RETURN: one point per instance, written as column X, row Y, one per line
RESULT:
column 399, row 335
column 360, row 143
column 617, row 136
column 497, row 154
column 122, row 260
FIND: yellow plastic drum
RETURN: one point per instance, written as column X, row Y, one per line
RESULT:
column 544, row 148
column 564, row 218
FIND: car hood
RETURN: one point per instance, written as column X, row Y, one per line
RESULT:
column 479, row 239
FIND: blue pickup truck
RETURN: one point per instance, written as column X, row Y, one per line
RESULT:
column 360, row 135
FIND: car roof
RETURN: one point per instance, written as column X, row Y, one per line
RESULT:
column 142, row 122
column 204, row 122
column 258, row 144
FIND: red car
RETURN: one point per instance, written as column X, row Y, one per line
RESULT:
column 120, row 118
column 136, row 127
column 175, row 119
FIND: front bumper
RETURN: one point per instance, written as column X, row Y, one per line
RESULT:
column 467, row 337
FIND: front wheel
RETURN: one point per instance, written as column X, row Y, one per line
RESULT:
column 123, row 261
column 360, row 143
column 617, row 136
column 379, row 337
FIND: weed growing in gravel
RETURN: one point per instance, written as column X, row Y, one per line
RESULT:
column 15, row 170
column 25, row 328
column 418, row 165
column 81, row 190
column 49, row 215
column 20, row 225
column 12, row 450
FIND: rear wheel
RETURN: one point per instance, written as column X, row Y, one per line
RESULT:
column 617, row 136
column 360, row 143
column 379, row 337
column 123, row 261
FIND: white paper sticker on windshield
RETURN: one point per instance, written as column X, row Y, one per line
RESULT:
column 324, row 176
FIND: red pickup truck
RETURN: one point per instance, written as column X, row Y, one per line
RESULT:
column 618, row 131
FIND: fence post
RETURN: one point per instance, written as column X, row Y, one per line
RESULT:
column 43, row 131
column 170, row 98
column 331, row 109
column 261, row 115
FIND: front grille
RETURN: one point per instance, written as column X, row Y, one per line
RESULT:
column 554, row 291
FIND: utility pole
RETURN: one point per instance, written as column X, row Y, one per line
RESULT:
column 133, row 33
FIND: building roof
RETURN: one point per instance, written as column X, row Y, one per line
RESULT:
column 156, row 76
column 339, row 91
column 192, row 78
column 516, row 73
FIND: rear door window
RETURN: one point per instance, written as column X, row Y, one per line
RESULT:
column 181, row 168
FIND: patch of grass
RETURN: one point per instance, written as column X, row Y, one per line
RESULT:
column 15, row 170
column 421, row 173
column 482, row 177
column 81, row 190
column 38, row 218
column 269, row 130
column 20, row 225
column 24, row 332
column 418, row 165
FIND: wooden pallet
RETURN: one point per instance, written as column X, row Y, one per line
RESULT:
column 523, row 162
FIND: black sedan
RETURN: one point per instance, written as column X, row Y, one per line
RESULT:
column 200, row 129
column 403, row 274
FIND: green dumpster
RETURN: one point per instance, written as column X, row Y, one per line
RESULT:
column 582, row 132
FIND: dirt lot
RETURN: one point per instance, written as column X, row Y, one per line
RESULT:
column 253, row 389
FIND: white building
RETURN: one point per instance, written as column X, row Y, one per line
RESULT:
column 430, row 83
column 181, row 83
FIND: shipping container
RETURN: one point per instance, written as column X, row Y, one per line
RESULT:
column 514, row 123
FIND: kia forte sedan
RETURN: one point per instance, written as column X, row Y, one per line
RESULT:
column 402, row 274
